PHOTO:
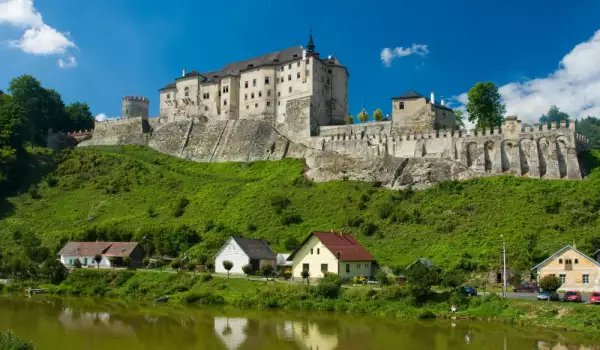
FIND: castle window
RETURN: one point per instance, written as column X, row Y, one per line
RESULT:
column 401, row 105
column 289, row 77
column 246, row 84
column 266, row 80
column 268, row 103
column 307, row 72
column 329, row 71
column 253, row 82
column 225, row 102
column 245, row 96
column 168, row 96
column 205, row 108
column 256, row 105
column 278, row 93
column 126, row 111
column 187, row 91
column 206, row 95
column 225, row 89
column 290, row 66
column 252, row 95
column 290, row 89
column 298, row 64
column 282, row 79
column 260, row 94
column 322, row 79
column 247, row 107
column 268, row 92
column 279, row 103
column 282, row 68
column 298, row 75
column 328, row 81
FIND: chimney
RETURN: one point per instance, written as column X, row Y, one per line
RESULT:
column 183, row 73
column 442, row 102
column 303, row 54
column 432, row 98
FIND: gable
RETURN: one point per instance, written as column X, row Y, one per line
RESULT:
column 567, row 252
column 230, row 247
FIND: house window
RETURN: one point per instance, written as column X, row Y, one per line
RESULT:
column 290, row 66
column 253, row 82
column 576, row 261
column 256, row 105
column 401, row 105
column 586, row 278
column 268, row 103
column 305, row 267
column 366, row 266
column 245, row 96
column 324, row 267
column 246, row 84
column 329, row 71
column 560, row 261
column 187, row 91
column 289, row 77
column 562, row 277
column 298, row 75
column 318, row 251
column 266, row 80
column 268, row 92
column 225, row 102
column 347, row 268
column 260, row 94
column 252, row 95
column 311, row 250
column 569, row 262
column 290, row 89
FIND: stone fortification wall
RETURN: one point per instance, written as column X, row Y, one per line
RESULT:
column 118, row 132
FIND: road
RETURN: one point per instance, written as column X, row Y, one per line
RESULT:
column 529, row 296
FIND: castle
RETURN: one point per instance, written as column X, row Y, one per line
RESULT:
column 293, row 103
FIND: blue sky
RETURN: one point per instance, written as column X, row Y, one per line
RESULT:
column 538, row 52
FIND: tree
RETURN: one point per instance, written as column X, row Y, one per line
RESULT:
column 80, row 116
column 113, row 261
column 248, row 270
column 210, row 266
column 459, row 121
column 266, row 271
column 349, row 119
column 54, row 271
column 146, row 262
column 554, row 115
column 98, row 259
column 550, row 283
column 203, row 260
column 453, row 278
column 590, row 128
column 378, row 115
column 12, row 123
column 159, row 263
column 228, row 265
column 77, row 263
column 363, row 116
column 305, row 275
column 176, row 264
column 191, row 266
column 485, row 107
column 420, row 279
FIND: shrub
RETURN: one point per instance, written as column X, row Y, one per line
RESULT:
column 355, row 221
column 384, row 211
column 205, row 277
column 205, row 298
column 550, row 283
column 176, row 264
column 191, row 266
column 384, row 278
column 291, row 219
column 152, row 213
column 180, row 206
column 328, row 289
column 77, row 263
column 368, row 229
column 302, row 182
column 52, row 181
column 305, row 275
column 280, row 203
column 248, row 270
column 252, row 228
column 34, row 192
column 9, row 341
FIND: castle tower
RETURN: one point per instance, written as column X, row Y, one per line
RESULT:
column 134, row 106
column 310, row 47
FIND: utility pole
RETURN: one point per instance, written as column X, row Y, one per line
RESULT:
column 504, row 266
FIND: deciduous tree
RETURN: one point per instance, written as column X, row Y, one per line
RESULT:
column 485, row 105
column 554, row 115
column 349, row 119
column 550, row 283
column 363, row 116
column 228, row 265
column 98, row 259
column 378, row 115
column 248, row 270
column 459, row 121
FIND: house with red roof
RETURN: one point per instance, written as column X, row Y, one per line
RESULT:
column 335, row 252
column 112, row 253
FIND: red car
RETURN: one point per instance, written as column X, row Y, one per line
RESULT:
column 572, row 296
column 595, row 298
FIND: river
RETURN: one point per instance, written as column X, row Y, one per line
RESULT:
column 90, row 324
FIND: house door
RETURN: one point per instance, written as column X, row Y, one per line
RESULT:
column 255, row 264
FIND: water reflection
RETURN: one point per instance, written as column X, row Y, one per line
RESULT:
column 57, row 324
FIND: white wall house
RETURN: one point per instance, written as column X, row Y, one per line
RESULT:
column 334, row 252
column 242, row 251
column 86, row 251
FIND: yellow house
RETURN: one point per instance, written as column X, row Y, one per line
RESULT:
column 577, row 271
column 335, row 252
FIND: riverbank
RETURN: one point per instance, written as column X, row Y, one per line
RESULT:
column 203, row 289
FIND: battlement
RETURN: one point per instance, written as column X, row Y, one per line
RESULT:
column 80, row 132
column 136, row 98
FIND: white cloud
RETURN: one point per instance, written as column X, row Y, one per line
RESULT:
column 38, row 38
column 100, row 117
column 574, row 87
column 388, row 55
column 70, row 62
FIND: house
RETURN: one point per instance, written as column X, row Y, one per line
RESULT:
column 242, row 251
column 576, row 270
column 335, row 252
column 116, row 251
column 428, row 264
column 282, row 261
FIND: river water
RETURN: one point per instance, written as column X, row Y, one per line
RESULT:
column 84, row 324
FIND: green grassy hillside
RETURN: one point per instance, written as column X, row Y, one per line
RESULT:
column 173, row 206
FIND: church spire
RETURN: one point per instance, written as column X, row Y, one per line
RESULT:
column 310, row 47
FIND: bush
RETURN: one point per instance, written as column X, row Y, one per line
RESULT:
column 34, row 192
column 248, row 270
column 385, row 210
column 291, row 219
column 52, row 181
column 328, row 289
column 355, row 222
column 180, row 206
column 266, row 271
column 204, row 298
column 550, row 283
column 9, row 341
column 280, row 203
column 205, row 277
column 384, row 278
column 368, row 229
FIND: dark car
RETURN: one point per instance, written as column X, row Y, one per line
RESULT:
column 543, row 295
column 527, row 288
column 573, row 296
column 470, row 291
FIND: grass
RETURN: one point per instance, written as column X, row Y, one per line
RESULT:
column 174, row 206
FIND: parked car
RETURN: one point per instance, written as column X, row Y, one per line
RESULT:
column 543, row 295
column 470, row 291
column 573, row 296
column 527, row 288
column 595, row 298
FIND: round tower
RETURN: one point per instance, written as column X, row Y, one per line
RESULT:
column 135, row 106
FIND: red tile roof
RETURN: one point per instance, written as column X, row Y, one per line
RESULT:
column 340, row 243
column 119, row 249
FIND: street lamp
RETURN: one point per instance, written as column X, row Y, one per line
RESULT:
column 503, row 266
